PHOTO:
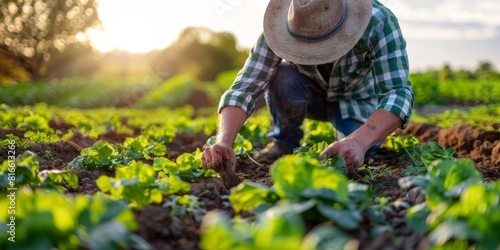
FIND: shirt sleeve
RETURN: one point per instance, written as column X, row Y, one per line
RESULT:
column 391, row 70
column 253, row 79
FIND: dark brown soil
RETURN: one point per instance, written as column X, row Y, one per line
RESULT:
column 164, row 232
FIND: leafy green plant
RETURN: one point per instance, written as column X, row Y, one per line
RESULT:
column 399, row 143
column 482, row 117
column 241, row 146
column 296, row 179
column 187, row 167
column 460, row 208
column 317, row 131
column 35, row 122
column 105, row 154
column 47, row 154
column 49, row 220
column 159, row 133
column 280, row 227
column 137, row 183
column 305, row 190
column 336, row 162
column 40, row 137
column 185, row 205
column 24, row 172
column 18, row 142
column 30, row 137
column 423, row 155
column 100, row 154
column 140, row 147
column 445, row 180
column 374, row 172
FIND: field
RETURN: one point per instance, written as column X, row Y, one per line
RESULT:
column 131, row 178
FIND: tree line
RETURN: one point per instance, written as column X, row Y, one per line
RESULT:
column 44, row 39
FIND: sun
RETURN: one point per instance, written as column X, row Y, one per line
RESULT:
column 133, row 26
column 145, row 25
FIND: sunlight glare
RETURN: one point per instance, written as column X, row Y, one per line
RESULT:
column 134, row 26
column 141, row 26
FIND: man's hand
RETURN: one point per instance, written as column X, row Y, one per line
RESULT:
column 353, row 148
column 221, row 158
column 350, row 149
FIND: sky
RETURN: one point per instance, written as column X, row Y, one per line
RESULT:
column 460, row 33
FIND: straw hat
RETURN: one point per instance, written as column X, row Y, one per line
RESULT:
column 315, row 31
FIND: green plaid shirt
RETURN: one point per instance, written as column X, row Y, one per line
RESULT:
column 373, row 75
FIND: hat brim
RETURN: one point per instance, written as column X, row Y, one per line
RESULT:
column 320, row 52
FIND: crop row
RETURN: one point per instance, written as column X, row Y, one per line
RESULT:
column 460, row 209
column 460, row 212
column 484, row 117
column 305, row 191
column 100, row 92
column 150, row 92
column 428, row 89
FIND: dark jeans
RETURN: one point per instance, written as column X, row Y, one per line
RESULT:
column 292, row 97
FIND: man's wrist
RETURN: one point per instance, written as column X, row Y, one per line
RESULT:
column 225, row 140
column 362, row 144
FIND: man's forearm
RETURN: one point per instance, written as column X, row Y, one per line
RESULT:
column 378, row 126
column 230, row 122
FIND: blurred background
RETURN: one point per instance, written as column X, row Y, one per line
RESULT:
column 150, row 53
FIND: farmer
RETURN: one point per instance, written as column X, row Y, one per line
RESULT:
column 346, row 63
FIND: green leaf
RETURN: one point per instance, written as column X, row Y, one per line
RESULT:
column 418, row 181
column 52, row 220
column 159, row 149
column 327, row 236
column 57, row 176
column 242, row 146
column 323, row 194
column 167, row 165
column 380, row 229
column 449, row 230
column 346, row 219
column 360, row 192
column 279, row 227
column 77, row 163
column 104, row 183
column 292, row 175
column 314, row 151
column 250, row 195
column 417, row 217
column 106, row 236
column 217, row 232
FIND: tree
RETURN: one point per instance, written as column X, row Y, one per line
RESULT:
column 485, row 70
column 446, row 73
column 201, row 52
column 34, row 30
column 10, row 69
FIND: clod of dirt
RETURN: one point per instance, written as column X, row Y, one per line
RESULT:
column 208, row 187
column 210, row 191
column 228, row 176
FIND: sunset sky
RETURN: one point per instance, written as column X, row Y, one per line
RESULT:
column 458, row 32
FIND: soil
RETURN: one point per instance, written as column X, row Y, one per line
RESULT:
column 165, row 232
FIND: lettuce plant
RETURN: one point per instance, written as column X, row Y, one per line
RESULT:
column 51, row 220
column 24, row 171
column 461, row 210
column 301, row 179
column 187, row 167
column 137, row 183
